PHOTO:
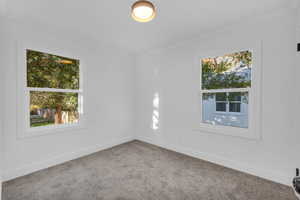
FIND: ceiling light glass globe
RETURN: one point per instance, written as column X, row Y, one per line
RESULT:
column 143, row 11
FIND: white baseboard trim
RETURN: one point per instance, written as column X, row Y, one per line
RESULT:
column 36, row 166
column 0, row 188
column 265, row 174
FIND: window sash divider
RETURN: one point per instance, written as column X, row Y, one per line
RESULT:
column 226, row 90
column 53, row 90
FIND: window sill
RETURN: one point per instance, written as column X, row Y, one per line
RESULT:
column 50, row 130
column 245, row 133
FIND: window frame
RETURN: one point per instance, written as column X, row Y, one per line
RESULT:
column 23, row 102
column 254, row 93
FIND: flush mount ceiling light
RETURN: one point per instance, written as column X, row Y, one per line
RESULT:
column 143, row 11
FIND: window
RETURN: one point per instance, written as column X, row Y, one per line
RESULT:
column 225, row 89
column 53, row 89
column 229, row 102
column 235, row 101
column 221, row 102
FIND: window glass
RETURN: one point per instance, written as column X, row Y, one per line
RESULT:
column 224, row 112
column 50, row 71
column 48, row 108
column 221, row 96
column 53, row 89
column 221, row 107
column 228, row 71
column 234, row 96
column 234, row 107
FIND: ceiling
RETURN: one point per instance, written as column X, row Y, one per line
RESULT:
column 109, row 20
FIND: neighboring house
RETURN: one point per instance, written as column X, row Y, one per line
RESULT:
column 218, row 111
column 228, row 109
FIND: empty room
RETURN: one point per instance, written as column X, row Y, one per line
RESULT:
column 149, row 100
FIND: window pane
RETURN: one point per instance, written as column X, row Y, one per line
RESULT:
column 234, row 107
column 227, row 71
column 221, row 96
column 49, row 108
column 225, row 117
column 235, row 96
column 50, row 71
column 221, row 107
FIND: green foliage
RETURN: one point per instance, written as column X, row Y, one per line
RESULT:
column 217, row 72
column 228, row 96
column 51, row 71
column 42, row 123
column 221, row 96
column 68, row 101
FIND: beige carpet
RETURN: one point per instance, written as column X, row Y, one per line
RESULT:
column 139, row 171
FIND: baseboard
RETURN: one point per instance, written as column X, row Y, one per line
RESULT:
column 270, row 175
column 1, row 180
column 36, row 166
column 0, row 188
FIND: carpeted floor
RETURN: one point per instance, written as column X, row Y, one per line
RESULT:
column 139, row 171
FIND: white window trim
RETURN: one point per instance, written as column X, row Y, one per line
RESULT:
column 254, row 112
column 23, row 98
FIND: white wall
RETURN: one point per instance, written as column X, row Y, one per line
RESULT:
column 113, row 93
column 1, row 108
column 172, row 72
column 109, row 99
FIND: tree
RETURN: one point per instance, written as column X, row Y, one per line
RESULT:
column 218, row 72
column 54, row 100
column 51, row 71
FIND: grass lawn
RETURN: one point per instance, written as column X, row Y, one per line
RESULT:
column 41, row 124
